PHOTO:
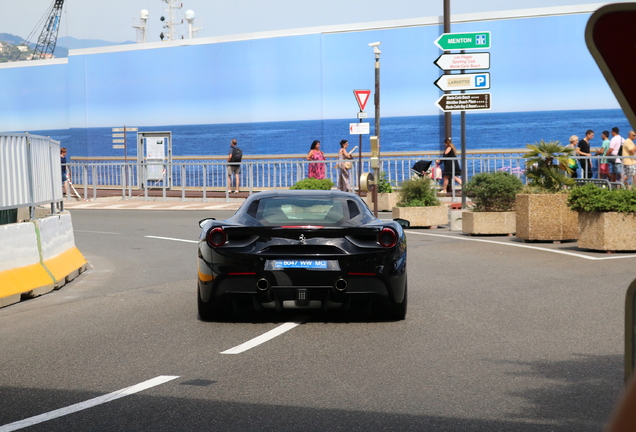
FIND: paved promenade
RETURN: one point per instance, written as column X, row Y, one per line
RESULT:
column 113, row 203
column 112, row 200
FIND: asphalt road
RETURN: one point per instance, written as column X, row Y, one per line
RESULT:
column 499, row 336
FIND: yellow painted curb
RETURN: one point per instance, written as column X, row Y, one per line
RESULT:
column 24, row 279
column 65, row 263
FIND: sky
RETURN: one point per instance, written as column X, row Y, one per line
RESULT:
column 112, row 20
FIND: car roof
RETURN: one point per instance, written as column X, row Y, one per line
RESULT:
column 299, row 193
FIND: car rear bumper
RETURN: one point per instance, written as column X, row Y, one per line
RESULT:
column 316, row 289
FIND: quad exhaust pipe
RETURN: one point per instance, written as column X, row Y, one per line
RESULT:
column 262, row 284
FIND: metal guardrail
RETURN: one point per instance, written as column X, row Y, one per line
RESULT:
column 30, row 175
column 256, row 174
column 269, row 172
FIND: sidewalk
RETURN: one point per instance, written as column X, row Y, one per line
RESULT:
column 113, row 203
column 109, row 199
column 113, row 200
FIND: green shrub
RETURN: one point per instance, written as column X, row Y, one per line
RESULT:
column 591, row 198
column 384, row 185
column 547, row 166
column 311, row 183
column 493, row 192
column 419, row 192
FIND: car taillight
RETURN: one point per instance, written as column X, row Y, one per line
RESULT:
column 387, row 238
column 216, row 237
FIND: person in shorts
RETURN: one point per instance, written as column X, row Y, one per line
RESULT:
column 615, row 162
column 234, row 166
column 629, row 164
column 604, row 166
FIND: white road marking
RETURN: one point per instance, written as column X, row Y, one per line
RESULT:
column 87, row 404
column 262, row 338
column 574, row 254
column 173, row 239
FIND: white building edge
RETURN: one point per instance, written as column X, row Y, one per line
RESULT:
column 340, row 28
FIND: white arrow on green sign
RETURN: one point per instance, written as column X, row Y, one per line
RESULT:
column 463, row 41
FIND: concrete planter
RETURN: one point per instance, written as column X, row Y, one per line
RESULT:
column 607, row 231
column 545, row 217
column 423, row 216
column 488, row 222
column 386, row 201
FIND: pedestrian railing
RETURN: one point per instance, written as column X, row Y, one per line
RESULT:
column 210, row 174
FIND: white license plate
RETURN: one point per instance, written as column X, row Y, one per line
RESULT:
column 301, row 264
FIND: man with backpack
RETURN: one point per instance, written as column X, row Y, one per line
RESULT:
column 234, row 166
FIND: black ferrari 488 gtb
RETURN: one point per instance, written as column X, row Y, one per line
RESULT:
column 299, row 249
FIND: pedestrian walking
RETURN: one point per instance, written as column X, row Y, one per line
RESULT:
column 344, row 166
column 66, row 173
column 317, row 169
column 451, row 166
column 234, row 167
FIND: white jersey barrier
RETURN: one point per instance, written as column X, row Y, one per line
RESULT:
column 37, row 257
column 59, row 254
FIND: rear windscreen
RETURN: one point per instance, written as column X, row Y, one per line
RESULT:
column 303, row 211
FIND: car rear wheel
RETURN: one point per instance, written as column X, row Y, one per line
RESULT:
column 213, row 309
column 397, row 311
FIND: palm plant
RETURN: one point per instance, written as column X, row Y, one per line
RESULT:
column 547, row 166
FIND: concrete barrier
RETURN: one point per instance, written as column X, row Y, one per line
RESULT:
column 37, row 257
column 21, row 270
column 59, row 254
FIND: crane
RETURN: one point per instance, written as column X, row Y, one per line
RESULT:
column 48, row 36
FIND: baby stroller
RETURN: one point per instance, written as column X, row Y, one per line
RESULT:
column 422, row 168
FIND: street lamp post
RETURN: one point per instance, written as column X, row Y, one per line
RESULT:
column 376, row 97
column 375, row 159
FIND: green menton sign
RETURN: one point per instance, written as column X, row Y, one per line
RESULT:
column 463, row 41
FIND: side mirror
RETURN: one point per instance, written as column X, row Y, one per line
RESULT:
column 203, row 221
column 403, row 222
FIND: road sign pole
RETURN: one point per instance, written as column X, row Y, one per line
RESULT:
column 125, row 147
column 463, row 144
column 448, row 119
column 362, row 97
column 360, row 164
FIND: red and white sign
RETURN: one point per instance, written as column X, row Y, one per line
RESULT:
column 362, row 96
column 359, row 128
